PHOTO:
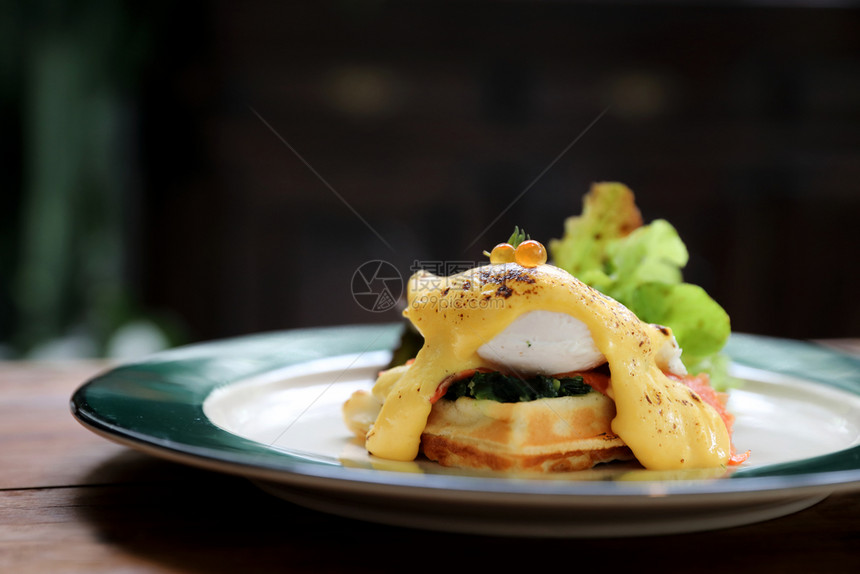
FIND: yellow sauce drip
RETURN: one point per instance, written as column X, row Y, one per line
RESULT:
column 665, row 424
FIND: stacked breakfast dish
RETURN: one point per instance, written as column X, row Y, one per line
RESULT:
column 525, row 367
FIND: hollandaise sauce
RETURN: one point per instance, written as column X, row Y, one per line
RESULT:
column 666, row 424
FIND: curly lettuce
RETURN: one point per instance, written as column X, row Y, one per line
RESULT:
column 640, row 266
column 608, row 213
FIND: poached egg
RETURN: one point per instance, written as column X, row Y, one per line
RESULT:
column 550, row 342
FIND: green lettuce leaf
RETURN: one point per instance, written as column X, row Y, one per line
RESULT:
column 699, row 324
column 608, row 212
column 653, row 253
column 640, row 266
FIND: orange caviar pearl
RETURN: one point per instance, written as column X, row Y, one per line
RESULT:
column 530, row 253
column 502, row 253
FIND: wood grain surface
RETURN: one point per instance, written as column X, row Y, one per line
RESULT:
column 71, row 501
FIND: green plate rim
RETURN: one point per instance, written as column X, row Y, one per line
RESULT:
column 156, row 404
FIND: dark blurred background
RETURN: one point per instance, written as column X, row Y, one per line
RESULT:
column 175, row 172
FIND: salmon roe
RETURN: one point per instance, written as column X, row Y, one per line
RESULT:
column 530, row 253
column 502, row 253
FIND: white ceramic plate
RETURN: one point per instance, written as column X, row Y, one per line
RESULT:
column 268, row 407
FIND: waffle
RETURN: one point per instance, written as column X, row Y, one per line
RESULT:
column 546, row 435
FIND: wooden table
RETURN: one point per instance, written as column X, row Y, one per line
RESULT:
column 73, row 502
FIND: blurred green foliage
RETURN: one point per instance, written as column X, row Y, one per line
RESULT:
column 70, row 179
